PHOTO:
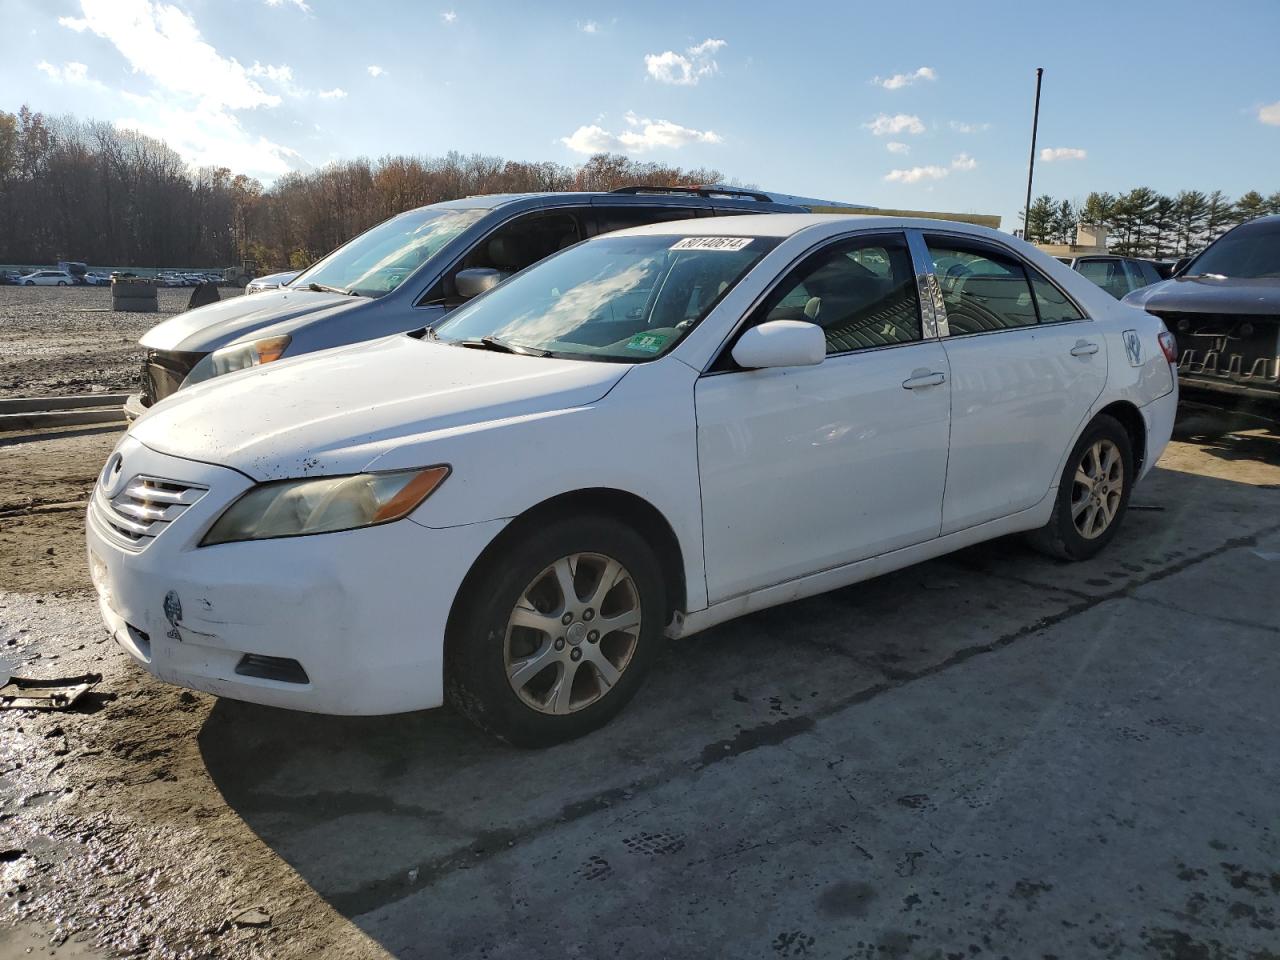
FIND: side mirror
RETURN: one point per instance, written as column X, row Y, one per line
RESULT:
column 1181, row 265
column 475, row 281
column 781, row 343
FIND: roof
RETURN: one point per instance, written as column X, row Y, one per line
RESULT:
column 789, row 224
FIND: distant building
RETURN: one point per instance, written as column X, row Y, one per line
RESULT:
column 1090, row 239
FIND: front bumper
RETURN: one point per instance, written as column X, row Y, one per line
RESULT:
column 362, row 613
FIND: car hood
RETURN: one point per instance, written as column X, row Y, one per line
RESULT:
column 339, row 410
column 1207, row 295
column 208, row 328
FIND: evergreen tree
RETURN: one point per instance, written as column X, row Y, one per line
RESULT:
column 1251, row 206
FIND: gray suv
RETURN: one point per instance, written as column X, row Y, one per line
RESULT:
column 408, row 272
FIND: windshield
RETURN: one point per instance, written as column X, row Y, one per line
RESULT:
column 628, row 298
column 378, row 261
column 1249, row 252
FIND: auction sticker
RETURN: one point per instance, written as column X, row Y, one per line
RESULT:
column 647, row 342
column 711, row 243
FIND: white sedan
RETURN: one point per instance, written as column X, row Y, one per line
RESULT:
column 647, row 434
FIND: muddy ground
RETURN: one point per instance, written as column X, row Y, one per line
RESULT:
column 987, row 755
column 60, row 341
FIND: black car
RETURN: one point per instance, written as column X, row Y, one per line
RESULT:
column 1224, row 308
column 1115, row 274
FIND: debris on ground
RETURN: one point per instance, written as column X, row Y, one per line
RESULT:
column 24, row 693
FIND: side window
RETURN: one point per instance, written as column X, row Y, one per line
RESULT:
column 861, row 292
column 609, row 219
column 1051, row 303
column 1150, row 274
column 525, row 241
column 983, row 289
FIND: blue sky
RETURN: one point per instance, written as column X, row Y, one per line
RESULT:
column 922, row 105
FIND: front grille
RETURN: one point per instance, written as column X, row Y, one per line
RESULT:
column 163, row 372
column 143, row 509
column 1231, row 348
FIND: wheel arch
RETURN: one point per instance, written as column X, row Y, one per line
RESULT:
column 634, row 510
column 1129, row 417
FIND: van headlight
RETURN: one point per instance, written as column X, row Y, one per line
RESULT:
column 238, row 356
column 294, row 508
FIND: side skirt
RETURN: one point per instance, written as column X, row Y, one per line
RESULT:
column 686, row 624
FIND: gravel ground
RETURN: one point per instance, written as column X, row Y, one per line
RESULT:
column 987, row 755
column 66, row 340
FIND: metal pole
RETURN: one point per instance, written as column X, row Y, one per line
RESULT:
column 1031, row 165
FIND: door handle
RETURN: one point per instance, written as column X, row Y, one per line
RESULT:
column 924, row 378
column 1084, row 348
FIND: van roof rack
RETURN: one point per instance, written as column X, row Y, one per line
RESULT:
column 699, row 191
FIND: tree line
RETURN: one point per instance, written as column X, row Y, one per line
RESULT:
column 1145, row 223
column 74, row 189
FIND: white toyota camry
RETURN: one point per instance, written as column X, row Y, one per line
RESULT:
column 648, row 433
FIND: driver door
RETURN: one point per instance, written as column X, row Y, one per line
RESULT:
column 808, row 468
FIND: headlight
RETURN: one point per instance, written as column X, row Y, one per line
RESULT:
column 238, row 356
column 294, row 508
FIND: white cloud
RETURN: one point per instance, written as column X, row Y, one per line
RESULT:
column 644, row 134
column 195, row 90
column 162, row 43
column 900, row 80
column 209, row 138
column 1050, row 154
column 375, row 70
column 449, row 16
column 884, row 124
column 589, row 27
column 916, row 174
column 684, row 69
column 896, row 146
column 280, row 74
column 1270, row 114
column 70, row 72
column 961, row 161
column 337, row 93
column 960, row 126
column 300, row 4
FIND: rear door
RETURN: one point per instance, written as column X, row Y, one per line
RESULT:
column 1026, row 366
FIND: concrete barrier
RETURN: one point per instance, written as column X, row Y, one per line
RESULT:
column 133, row 295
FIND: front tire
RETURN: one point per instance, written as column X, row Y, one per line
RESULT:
column 62, row 283
column 1093, row 493
column 556, row 631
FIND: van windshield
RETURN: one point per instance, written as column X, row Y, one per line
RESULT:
column 626, row 298
column 379, row 260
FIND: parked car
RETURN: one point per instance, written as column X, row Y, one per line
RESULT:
column 47, row 278
column 10, row 278
column 651, row 432
column 1224, row 308
column 95, row 279
column 1116, row 275
column 166, row 278
column 272, row 281
column 407, row 273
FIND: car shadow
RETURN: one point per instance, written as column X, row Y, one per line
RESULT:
column 1231, row 431
column 371, row 810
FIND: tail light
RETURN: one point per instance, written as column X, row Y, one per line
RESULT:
column 1169, row 345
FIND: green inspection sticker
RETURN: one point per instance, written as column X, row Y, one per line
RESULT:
column 647, row 342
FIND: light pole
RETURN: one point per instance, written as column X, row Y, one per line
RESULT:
column 1031, row 164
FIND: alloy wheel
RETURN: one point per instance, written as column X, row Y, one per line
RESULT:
column 1097, row 489
column 572, row 633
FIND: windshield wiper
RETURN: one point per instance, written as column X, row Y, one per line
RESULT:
column 502, row 346
column 322, row 288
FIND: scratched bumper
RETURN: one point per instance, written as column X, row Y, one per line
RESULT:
column 363, row 612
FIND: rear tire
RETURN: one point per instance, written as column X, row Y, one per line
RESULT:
column 534, row 666
column 1093, row 493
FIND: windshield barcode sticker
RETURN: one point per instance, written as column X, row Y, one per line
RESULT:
column 711, row 243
